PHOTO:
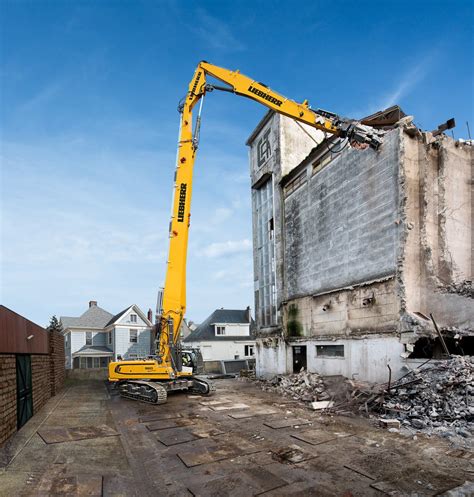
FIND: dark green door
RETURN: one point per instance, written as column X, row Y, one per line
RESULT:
column 24, row 391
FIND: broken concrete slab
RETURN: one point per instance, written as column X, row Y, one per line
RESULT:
column 252, row 481
column 315, row 437
column 292, row 454
column 164, row 424
column 218, row 452
column 59, row 435
column 389, row 423
column 322, row 404
column 252, row 413
column 175, row 436
column 159, row 416
column 226, row 407
column 277, row 424
column 62, row 485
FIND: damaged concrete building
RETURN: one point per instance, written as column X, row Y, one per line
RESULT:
column 353, row 249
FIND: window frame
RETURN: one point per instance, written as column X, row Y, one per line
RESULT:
column 249, row 348
column 133, row 318
column 130, row 332
column 89, row 334
column 337, row 348
column 220, row 330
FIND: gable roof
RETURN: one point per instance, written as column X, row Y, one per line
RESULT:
column 115, row 318
column 205, row 331
column 94, row 317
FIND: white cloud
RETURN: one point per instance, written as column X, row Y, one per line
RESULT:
column 220, row 249
column 405, row 84
column 412, row 78
column 216, row 33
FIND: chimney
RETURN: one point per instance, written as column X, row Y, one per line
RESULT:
column 93, row 303
column 150, row 315
column 248, row 314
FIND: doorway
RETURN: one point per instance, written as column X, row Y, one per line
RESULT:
column 299, row 358
column 24, row 390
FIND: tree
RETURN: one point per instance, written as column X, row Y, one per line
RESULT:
column 55, row 325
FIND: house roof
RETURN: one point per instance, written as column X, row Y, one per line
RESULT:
column 205, row 331
column 94, row 317
column 93, row 350
column 115, row 318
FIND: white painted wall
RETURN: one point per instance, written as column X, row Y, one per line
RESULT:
column 125, row 319
column 234, row 329
column 271, row 358
column 124, row 347
column 365, row 359
column 222, row 350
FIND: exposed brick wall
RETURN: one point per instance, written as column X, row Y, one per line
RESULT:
column 41, row 378
column 7, row 396
column 57, row 361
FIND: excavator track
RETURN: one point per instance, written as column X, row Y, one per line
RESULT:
column 202, row 387
column 144, row 391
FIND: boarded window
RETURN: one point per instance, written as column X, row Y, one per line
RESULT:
column 295, row 183
column 265, row 245
column 133, row 336
column 330, row 350
column 321, row 163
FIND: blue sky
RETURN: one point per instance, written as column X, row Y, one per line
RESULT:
column 89, row 92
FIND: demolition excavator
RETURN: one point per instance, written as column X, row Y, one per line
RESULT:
column 150, row 380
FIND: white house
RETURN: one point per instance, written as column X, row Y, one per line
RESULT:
column 98, row 337
column 225, row 335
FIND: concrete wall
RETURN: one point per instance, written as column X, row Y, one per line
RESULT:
column 437, row 253
column 340, row 225
column 365, row 358
column 343, row 313
column 277, row 146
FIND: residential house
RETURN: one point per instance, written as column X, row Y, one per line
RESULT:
column 97, row 337
column 227, row 334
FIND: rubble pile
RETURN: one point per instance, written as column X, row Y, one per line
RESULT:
column 464, row 288
column 308, row 387
column 441, row 395
column 437, row 397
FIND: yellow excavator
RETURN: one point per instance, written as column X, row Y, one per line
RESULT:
column 150, row 380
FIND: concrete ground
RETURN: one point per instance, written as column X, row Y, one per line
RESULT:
column 240, row 442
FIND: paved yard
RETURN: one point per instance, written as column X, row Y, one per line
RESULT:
column 240, row 442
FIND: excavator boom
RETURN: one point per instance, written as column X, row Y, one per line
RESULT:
column 172, row 302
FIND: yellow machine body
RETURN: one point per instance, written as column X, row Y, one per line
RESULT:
column 143, row 369
column 174, row 293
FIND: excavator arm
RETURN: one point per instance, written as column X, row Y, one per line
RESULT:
column 172, row 304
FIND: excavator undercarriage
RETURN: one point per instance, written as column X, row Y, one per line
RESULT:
column 154, row 392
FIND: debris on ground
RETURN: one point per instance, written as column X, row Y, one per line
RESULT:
column 436, row 397
column 305, row 386
column 439, row 397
